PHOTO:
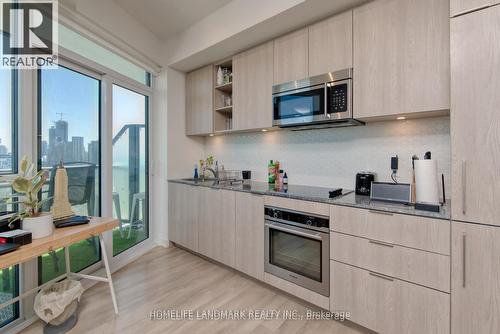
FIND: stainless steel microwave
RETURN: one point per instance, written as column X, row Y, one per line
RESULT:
column 324, row 100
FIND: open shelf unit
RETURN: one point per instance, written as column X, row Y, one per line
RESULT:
column 223, row 96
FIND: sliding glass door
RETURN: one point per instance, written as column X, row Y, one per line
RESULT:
column 130, row 167
column 69, row 133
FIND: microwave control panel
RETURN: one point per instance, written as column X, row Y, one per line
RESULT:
column 338, row 98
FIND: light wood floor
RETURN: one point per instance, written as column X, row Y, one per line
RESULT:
column 173, row 279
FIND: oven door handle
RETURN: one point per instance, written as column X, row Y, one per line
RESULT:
column 314, row 236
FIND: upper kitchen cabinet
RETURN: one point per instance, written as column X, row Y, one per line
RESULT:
column 253, row 82
column 330, row 44
column 401, row 57
column 199, row 101
column 463, row 6
column 475, row 116
column 291, row 53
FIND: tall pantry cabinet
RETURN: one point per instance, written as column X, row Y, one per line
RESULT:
column 475, row 136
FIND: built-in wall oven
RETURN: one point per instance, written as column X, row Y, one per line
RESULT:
column 297, row 248
column 320, row 100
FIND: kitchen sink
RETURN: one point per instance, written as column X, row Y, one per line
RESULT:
column 200, row 180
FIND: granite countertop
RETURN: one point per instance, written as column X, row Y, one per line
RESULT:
column 321, row 194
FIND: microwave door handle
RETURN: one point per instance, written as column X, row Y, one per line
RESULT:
column 301, row 90
column 295, row 232
column 326, row 101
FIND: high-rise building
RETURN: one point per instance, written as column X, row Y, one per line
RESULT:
column 61, row 131
column 3, row 149
column 58, row 148
column 78, row 149
column 93, row 152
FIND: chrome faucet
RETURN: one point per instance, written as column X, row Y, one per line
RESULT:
column 215, row 172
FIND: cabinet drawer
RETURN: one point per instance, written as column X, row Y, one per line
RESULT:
column 411, row 231
column 421, row 267
column 388, row 305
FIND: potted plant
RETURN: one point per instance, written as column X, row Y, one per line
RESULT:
column 27, row 185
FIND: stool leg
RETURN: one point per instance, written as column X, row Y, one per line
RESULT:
column 108, row 272
column 67, row 261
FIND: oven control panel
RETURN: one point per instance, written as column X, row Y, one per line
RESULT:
column 297, row 218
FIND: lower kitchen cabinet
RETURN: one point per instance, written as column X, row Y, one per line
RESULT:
column 216, row 228
column 475, row 283
column 249, row 240
column 388, row 305
column 183, row 204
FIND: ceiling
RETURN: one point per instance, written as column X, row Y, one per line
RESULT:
column 165, row 18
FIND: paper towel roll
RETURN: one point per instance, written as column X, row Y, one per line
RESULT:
column 426, row 180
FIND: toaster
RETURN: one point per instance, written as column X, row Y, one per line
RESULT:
column 364, row 183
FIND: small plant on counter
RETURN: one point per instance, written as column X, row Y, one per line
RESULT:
column 27, row 185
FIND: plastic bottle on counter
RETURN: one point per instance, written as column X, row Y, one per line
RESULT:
column 271, row 174
column 281, row 178
column 195, row 176
column 276, row 171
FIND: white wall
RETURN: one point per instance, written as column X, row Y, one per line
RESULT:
column 183, row 151
column 114, row 20
column 331, row 157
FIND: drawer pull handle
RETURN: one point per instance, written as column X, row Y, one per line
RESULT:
column 464, row 186
column 381, row 243
column 381, row 212
column 387, row 278
column 464, row 253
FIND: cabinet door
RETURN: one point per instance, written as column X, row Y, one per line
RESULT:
column 475, row 287
column 217, row 225
column 330, row 44
column 250, row 234
column 252, row 88
column 210, row 206
column 401, row 57
column 199, row 101
column 225, row 229
column 475, row 117
column 183, row 203
column 387, row 305
column 291, row 56
column 463, row 6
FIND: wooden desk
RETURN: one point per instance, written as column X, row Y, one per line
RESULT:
column 64, row 237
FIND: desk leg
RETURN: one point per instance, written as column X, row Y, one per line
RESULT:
column 108, row 272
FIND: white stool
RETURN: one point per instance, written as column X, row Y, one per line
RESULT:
column 118, row 210
column 136, row 200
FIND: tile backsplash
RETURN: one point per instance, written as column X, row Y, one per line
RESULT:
column 332, row 157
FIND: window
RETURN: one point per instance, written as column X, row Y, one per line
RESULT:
column 9, row 288
column 8, row 129
column 9, row 277
column 130, row 172
column 69, row 129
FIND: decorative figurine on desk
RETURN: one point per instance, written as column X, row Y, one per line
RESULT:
column 61, row 208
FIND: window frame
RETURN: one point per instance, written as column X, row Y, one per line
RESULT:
column 28, row 145
column 14, row 80
column 93, row 75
